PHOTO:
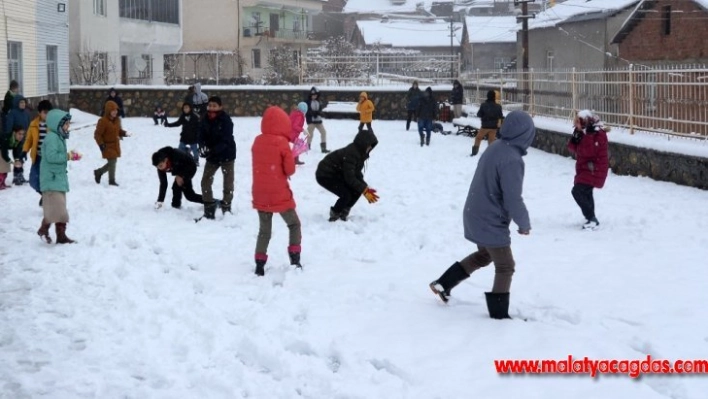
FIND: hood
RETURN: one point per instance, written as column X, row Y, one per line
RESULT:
column 16, row 101
column 276, row 122
column 314, row 90
column 108, row 107
column 198, row 88
column 364, row 139
column 456, row 82
column 56, row 118
column 518, row 130
column 112, row 90
column 363, row 94
column 429, row 91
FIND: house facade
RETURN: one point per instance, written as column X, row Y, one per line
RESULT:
column 489, row 42
column 665, row 32
column 36, row 52
column 122, row 42
column 249, row 30
column 576, row 34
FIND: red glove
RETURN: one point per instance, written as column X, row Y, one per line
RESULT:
column 370, row 195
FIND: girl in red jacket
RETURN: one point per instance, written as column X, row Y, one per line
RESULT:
column 273, row 164
column 589, row 144
column 297, row 123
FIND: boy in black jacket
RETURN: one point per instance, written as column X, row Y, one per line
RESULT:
column 340, row 173
column 491, row 115
column 183, row 168
column 217, row 145
column 190, row 131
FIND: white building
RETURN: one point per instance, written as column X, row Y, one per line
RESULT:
column 122, row 41
column 36, row 52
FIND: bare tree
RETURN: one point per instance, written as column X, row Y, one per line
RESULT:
column 283, row 67
column 92, row 68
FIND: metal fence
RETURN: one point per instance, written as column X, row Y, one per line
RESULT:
column 671, row 100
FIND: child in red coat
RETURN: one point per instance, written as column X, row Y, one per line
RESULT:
column 273, row 164
column 589, row 144
column 297, row 123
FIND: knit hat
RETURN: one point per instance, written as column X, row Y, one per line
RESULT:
column 302, row 107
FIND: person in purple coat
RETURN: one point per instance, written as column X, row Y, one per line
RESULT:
column 493, row 202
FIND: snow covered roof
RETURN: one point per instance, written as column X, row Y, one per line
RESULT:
column 489, row 29
column 384, row 6
column 579, row 9
column 410, row 33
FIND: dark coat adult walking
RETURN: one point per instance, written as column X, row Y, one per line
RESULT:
column 490, row 114
column 493, row 202
column 412, row 97
column 457, row 98
column 183, row 168
column 340, row 172
column 427, row 112
column 589, row 144
column 113, row 96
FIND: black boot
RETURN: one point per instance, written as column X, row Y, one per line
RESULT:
column 422, row 140
column 225, row 207
column 260, row 267
column 210, row 210
column 498, row 305
column 333, row 216
column 475, row 150
column 344, row 214
column 323, row 147
column 452, row 276
column 295, row 259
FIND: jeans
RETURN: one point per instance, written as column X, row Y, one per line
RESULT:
column 195, row 150
column 427, row 125
column 582, row 193
column 34, row 174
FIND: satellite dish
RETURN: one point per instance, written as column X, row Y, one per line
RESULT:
column 140, row 64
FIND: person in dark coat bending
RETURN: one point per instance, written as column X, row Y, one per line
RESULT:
column 340, row 172
column 493, row 202
column 183, row 168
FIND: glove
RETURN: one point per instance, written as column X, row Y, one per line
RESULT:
column 370, row 195
column 102, row 147
column 158, row 205
column 577, row 136
column 203, row 151
column 74, row 156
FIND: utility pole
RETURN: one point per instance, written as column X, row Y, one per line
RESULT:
column 524, row 19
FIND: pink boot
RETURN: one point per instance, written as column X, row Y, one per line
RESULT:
column 3, row 177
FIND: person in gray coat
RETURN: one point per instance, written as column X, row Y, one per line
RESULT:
column 493, row 201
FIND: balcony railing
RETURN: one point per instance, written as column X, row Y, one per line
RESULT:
column 287, row 34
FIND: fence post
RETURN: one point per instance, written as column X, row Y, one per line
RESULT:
column 532, row 98
column 631, row 99
column 303, row 65
column 574, row 83
column 218, row 68
column 184, row 66
column 378, row 76
column 476, row 95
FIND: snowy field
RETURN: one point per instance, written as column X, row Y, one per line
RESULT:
column 149, row 304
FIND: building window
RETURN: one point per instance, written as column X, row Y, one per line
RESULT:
column 146, row 72
column 666, row 20
column 52, row 69
column 166, row 11
column 14, row 61
column 256, row 58
column 99, row 7
column 274, row 23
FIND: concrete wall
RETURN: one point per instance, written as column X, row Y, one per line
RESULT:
column 252, row 101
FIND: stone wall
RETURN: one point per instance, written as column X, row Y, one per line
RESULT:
column 60, row 101
column 252, row 101
column 634, row 161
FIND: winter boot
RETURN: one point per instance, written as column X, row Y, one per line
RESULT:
column 298, row 161
column 475, row 150
column 422, row 140
column 323, row 147
column 210, row 210
column 261, row 260
column 333, row 216
column 43, row 231
column 61, row 234
column 3, row 176
column 344, row 214
column 113, row 183
column 591, row 224
column 97, row 176
column 294, row 252
column 17, row 178
column 427, row 140
column 498, row 305
column 225, row 207
column 452, row 276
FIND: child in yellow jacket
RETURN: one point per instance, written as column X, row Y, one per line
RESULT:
column 365, row 108
column 33, row 142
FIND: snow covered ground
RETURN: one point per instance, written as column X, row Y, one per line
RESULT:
column 149, row 304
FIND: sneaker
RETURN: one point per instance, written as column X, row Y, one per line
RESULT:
column 592, row 224
column 438, row 289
